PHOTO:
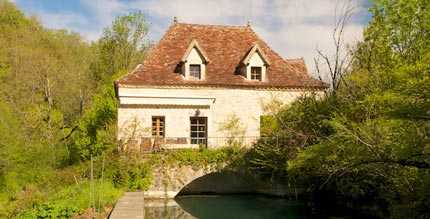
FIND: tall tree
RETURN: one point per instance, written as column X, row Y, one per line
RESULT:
column 122, row 45
column 333, row 67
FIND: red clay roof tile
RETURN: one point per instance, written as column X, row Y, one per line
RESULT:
column 226, row 47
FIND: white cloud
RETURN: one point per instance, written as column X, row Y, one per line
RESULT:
column 307, row 25
column 196, row 11
column 104, row 11
column 61, row 20
column 294, row 28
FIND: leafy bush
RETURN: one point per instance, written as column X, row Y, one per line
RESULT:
column 73, row 200
column 199, row 158
column 133, row 174
column 95, row 132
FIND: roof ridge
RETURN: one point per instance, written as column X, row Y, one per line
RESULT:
column 295, row 59
column 213, row 25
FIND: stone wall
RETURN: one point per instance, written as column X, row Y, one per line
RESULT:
column 177, row 105
column 169, row 182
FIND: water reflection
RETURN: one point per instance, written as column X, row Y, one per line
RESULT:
column 164, row 208
column 234, row 207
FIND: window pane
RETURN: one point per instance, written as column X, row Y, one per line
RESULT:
column 195, row 71
column 256, row 73
column 198, row 130
column 158, row 126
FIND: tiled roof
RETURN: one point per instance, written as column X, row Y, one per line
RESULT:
column 226, row 47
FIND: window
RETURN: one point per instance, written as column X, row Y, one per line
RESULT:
column 256, row 73
column 195, row 72
column 199, row 130
column 158, row 126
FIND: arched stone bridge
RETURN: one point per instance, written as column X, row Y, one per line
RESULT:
column 169, row 182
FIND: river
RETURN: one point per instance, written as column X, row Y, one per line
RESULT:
column 226, row 207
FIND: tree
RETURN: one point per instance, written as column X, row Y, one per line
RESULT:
column 122, row 46
column 338, row 64
column 53, row 110
column 366, row 145
column 45, row 78
column 378, row 152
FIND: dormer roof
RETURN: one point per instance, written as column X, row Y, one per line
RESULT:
column 195, row 44
column 252, row 51
column 227, row 47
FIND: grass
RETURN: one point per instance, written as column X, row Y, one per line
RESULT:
column 73, row 200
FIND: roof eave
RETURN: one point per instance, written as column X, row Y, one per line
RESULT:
column 138, row 85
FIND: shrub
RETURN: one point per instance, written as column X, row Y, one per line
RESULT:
column 128, row 172
column 73, row 200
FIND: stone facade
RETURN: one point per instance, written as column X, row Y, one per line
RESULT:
column 177, row 104
column 206, row 84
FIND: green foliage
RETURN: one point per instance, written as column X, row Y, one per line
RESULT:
column 121, row 47
column 131, row 173
column 234, row 130
column 292, row 128
column 72, row 200
column 57, row 108
column 232, row 156
column 367, row 146
column 269, row 157
column 95, row 132
column 267, row 125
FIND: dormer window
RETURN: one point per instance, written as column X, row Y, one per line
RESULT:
column 194, row 62
column 255, row 65
column 256, row 73
column 195, row 72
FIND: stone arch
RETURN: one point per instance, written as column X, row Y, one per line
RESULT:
column 169, row 182
column 224, row 182
column 186, row 180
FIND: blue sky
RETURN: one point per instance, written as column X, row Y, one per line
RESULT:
column 293, row 28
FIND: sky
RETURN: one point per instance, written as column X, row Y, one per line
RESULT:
column 293, row 28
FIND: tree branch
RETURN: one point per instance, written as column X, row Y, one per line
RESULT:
column 70, row 133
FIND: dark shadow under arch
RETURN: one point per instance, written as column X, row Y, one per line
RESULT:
column 242, row 207
column 225, row 182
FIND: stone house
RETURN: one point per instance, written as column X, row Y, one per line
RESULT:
column 197, row 79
